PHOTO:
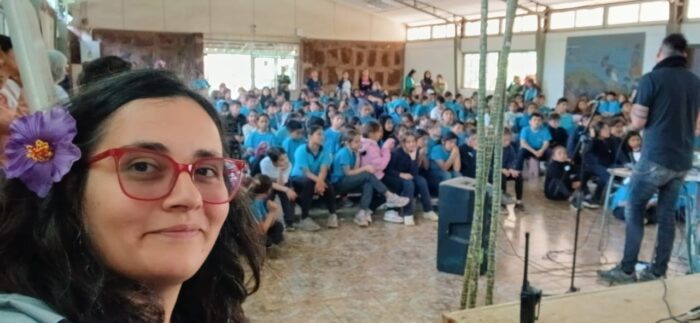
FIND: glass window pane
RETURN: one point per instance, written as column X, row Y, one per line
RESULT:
column 654, row 11
column 493, row 27
column 418, row 33
column 562, row 20
column 471, row 71
column 589, row 17
column 444, row 31
column 693, row 9
column 626, row 14
column 265, row 72
column 522, row 64
column 524, row 24
column 232, row 69
column 472, row 28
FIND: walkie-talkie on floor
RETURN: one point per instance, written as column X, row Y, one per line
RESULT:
column 530, row 297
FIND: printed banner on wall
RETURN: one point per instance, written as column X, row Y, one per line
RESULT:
column 596, row 64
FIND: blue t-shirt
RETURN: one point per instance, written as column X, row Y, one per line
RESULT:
column 366, row 119
column 317, row 114
column 244, row 111
column 332, row 140
column 534, row 138
column 290, row 145
column 220, row 106
column 256, row 138
column 438, row 153
column 610, row 107
column 395, row 118
column 280, row 136
column 530, row 94
column 420, row 110
column 343, row 158
column 305, row 159
column 432, row 143
column 567, row 122
column 524, row 121
column 260, row 209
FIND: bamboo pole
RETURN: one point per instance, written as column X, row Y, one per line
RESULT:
column 474, row 252
column 497, row 120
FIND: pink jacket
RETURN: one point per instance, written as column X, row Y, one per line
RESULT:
column 371, row 154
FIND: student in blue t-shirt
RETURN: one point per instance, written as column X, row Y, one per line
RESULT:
column 367, row 114
column 257, row 143
column 444, row 162
column 421, row 109
column 524, row 120
column 316, row 110
column 267, row 213
column 295, row 138
column 534, row 141
column 434, row 136
column 347, row 176
column 310, row 177
column 566, row 119
column 334, row 134
column 610, row 106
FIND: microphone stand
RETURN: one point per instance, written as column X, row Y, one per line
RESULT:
column 579, row 195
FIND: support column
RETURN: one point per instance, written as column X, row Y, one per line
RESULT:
column 540, row 42
column 676, row 15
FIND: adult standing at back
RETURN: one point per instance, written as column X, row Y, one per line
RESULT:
column 409, row 83
column 666, row 107
column 427, row 82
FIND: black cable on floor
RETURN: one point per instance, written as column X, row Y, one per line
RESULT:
column 668, row 307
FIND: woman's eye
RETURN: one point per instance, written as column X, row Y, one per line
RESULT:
column 207, row 171
column 142, row 167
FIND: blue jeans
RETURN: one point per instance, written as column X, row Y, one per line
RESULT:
column 437, row 176
column 417, row 187
column 647, row 179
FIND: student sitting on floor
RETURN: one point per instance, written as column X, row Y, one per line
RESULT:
column 630, row 151
column 277, row 166
column 619, row 202
column 609, row 106
column 512, row 116
column 334, row 134
column 423, row 158
column 598, row 159
column 542, row 107
column 347, row 176
column 534, row 141
column 444, row 162
column 560, row 180
column 267, row 214
column 558, row 134
column 524, row 120
column 295, row 138
column 467, row 154
column 566, row 119
column 402, row 176
column 508, row 171
column 259, row 140
column 367, row 114
column 251, row 125
column 310, row 177
column 435, row 133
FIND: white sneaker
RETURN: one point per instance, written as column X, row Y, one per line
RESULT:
column 368, row 216
column 408, row 221
column 361, row 219
column 308, row 224
column 332, row 221
column 393, row 200
column 392, row 217
column 432, row 216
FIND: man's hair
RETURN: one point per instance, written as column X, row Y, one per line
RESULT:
column 449, row 136
column 294, row 125
column 674, row 45
column 5, row 43
column 536, row 115
column 554, row 116
column 562, row 100
column 441, row 99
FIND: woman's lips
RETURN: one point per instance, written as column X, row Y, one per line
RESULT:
column 179, row 231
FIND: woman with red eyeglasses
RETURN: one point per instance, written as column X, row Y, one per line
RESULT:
column 145, row 226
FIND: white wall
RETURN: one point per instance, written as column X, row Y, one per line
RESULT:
column 691, row 30
column 234, row 19
column 555, row 54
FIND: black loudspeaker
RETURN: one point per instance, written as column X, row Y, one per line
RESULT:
column 456, row 207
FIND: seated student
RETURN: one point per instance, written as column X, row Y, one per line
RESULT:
column 315, row 110
column 283, row 132
column 347, row 176
column 388, row 128
column 273, row 111
column 435, row 133
column 617, row 128
column 534, row 141
column 561, row 180
column 310, row 177
column 436, row 112
column 407, row 120
column 423, row 152
column 630, row 151
column 609, row 106
column 251, row 124
column 467, row 154
column 508, row 171
column 267, row 214
column 619, row 202
column 277, row 166
column 566, row 119
column 512, row 115
column 259, row 140
column 524, row 120
column 444, row 162
column 542, row 107
column 447, row 120
column 232, row 124
column 402, row 176
column 458, row 129
column 295, row 138
column 558, row 134
column 367, row 114
column 468, row 111
column 334, row 134
column 371, row 153
column 421, row 108
column 396, row 116
column 598, row 159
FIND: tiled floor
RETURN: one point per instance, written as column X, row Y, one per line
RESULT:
column 387, row 273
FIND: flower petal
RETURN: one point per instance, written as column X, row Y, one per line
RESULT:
column 38, row 179
column 65, row 154
column 58, row 126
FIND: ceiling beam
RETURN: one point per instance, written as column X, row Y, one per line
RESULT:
column 530, row 11
column 426, row 8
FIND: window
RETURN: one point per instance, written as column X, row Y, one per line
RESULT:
column 519, row 63
column 654, row 11
column 693, row 9
column 524, row 24
column 249, row 65
column 493, row 27
column 472, row 28
column 444, row 31
column 589, row 17
column 562, row 20
column 627, row 14
column 418, row 33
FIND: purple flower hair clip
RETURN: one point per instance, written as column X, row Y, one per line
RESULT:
column 40, row 150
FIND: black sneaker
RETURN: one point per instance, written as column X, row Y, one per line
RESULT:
column 617, row 276
column 520, row 207
column 647, row 275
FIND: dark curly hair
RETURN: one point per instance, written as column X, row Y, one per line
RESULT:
column 46, row 253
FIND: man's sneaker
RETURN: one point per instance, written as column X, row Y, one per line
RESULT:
column 647, row 275
column 308, row 224
column 274, row 252
column 617, row 276
column 590, row 204
column 408, row 221
column 432, row 216
column 392, row 217
column 393, row 200
column 361, row 219
column 332, row 221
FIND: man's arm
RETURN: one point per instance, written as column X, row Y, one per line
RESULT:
column 639, row 114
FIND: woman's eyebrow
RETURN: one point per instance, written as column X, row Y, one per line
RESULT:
column 155, row 146
column 204, row 153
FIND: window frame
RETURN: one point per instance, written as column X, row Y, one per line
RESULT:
column 498, row 53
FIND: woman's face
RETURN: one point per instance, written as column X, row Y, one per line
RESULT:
column 409, row 144
column 263, row 123
column 635, row 142
column 389, row 125
column 162, row 242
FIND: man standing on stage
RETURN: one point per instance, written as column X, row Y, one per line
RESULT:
column 666, row 108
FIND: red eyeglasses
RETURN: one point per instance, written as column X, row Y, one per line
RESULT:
column 146, row 175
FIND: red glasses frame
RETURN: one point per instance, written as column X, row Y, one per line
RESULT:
column 118, row 153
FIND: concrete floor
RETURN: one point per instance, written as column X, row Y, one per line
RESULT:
column 387, row 272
